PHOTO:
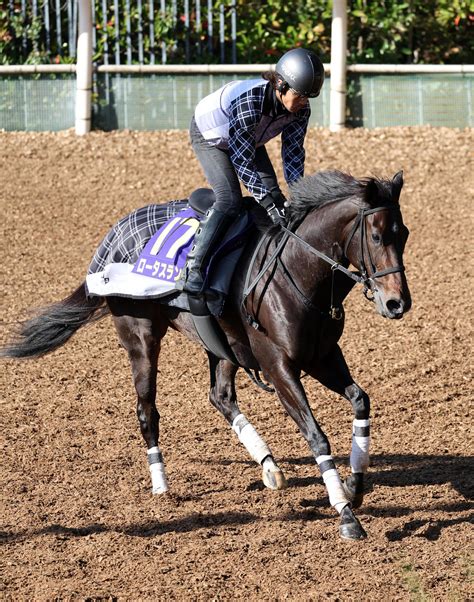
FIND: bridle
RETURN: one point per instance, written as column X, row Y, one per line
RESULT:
column 363, row 277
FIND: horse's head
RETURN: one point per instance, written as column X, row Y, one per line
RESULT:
column 376, row 243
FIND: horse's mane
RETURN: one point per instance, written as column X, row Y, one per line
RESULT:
column 312, row 192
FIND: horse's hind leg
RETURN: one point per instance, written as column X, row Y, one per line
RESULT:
column 223, row 397
column 333, row 373
column 140, row 334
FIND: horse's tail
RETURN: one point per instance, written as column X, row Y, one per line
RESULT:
column 55, row 324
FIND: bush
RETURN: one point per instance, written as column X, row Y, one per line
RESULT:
column 388, row 31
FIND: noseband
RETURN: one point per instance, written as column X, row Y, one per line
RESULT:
column 368, row 280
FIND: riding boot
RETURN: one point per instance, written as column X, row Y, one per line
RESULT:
column 209, row 234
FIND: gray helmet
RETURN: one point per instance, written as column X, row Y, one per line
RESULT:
column 302, row 71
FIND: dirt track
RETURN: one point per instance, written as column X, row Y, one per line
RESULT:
column 78, row 519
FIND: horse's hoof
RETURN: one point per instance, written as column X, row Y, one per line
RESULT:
column 354, row 489
column 350, row 527
column 274, row 480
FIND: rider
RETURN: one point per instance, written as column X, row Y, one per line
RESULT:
column 228, row 132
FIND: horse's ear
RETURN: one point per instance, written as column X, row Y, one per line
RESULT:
column 397, row 184
column 371, row 191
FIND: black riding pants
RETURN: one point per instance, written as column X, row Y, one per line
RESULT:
column 221, row 174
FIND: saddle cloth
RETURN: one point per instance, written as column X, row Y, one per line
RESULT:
column 143, row 255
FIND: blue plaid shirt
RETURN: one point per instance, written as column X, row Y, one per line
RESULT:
column 243, row 115
column 249, row 128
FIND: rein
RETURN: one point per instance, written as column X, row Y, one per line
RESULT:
column 363, row 278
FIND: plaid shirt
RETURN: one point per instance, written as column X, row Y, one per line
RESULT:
column 246, row 133
column 245, row 114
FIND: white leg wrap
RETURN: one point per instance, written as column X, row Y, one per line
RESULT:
column 249, row 437
column 159, row 484
column 337, row 497
column 360, row 445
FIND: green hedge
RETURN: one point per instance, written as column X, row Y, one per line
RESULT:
column 386, row 31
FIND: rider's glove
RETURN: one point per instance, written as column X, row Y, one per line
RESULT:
column 278, row 198
column 273, row 204
column 277, row 215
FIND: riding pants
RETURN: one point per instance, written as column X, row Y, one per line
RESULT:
column 221, row 174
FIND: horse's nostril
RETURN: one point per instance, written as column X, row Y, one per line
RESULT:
column 394, row 306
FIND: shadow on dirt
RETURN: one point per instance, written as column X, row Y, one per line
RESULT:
column 427, row 529
column 409, row 469
column 400, row 470
column 189, row 523
column 387, row 470
column 395, row 470
column 186, row 524
column 405, row 470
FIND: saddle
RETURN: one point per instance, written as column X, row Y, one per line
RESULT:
column 201, row 200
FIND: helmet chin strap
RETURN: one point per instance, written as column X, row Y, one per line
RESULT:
column 282, row 86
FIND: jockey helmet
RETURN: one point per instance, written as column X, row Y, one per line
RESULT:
column 302, row 71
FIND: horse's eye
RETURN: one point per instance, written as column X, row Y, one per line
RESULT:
column 376, row 238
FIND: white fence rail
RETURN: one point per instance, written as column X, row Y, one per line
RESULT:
column 229, row 69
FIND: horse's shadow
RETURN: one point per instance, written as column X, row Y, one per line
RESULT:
column 186, row 524
column 401, row 470
column 395, row 470
column 427, row 529
column 392, row 470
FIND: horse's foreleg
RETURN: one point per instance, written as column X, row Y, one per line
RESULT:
column 334, row 374
column 223, row 397
column 137, row 337
column 293, row 397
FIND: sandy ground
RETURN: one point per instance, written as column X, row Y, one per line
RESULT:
column 78, row 519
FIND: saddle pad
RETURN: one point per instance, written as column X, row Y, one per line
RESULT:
column 164, row 256
column 156, row 271
column 158, row 266
column 126, row 239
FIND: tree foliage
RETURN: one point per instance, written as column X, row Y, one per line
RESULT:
column 387, row 31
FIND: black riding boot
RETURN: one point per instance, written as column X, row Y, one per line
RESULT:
column 210, row 232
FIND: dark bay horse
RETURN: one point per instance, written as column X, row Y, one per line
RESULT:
column 284, row 317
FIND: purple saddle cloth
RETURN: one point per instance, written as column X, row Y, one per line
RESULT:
column 141, row 260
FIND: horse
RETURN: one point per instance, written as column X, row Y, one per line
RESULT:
column 283, row 317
